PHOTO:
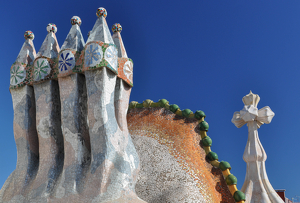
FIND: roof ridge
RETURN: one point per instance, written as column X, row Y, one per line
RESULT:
column 230, row 179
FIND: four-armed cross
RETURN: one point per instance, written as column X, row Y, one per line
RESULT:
column 257, row 187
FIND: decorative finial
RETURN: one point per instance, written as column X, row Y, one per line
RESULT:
column 29, row 35
column 101, row 12
column 51, row 28
column 251, row 99
column 75, row 20
column 116, row 27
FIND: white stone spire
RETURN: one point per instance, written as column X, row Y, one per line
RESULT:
column 19, row 72
column 50, row 47
column 257, row 187
column 125, row 69
column 74, row 39
column 100, row 31
column 117, row 28
column 27, row 53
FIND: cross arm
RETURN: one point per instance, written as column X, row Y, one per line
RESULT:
column 265, row 115
column 237, row 120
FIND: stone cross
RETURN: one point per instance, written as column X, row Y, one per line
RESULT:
column 256, row 187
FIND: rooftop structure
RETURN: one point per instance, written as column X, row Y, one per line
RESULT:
column 76, row 142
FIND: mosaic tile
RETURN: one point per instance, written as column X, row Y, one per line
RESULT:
column 125, row 70
column 17, row 74
column 41, row 69
column 111, row 56
column 93, row 55
column 66, row 61
column 44, row 69
column 128, row 70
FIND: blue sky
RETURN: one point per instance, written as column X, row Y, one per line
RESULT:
column 201, row 55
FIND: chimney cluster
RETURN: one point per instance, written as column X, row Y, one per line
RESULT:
column 70, row 126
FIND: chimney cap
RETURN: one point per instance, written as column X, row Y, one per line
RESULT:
column 51, row 27
column 76, row 20
column 101, row 12
column 116, row 27
column 29, row 35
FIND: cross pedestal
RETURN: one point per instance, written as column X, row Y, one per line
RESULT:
column 256, row 187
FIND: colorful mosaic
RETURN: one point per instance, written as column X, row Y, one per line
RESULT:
column 75, row 20
column 41, row 69
column 44, row 69
column 79, row 58
column 128, row 70
column 93, row 55
column 29, row 35
column 111, row 56
column 17, row 74
column 125, row 70
column 51, row 28
column 97, row 55
column 21, row 82
column 66, row 61
column 74, row 68
column 101, row 12
column 116, row 27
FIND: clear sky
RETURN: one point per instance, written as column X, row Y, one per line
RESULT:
column 202, row 55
